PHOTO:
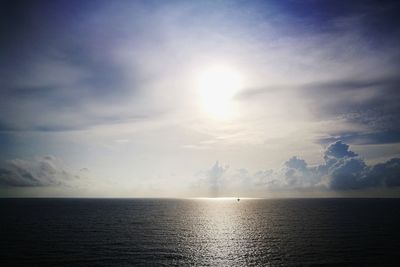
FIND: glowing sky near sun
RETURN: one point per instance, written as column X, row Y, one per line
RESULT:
column 217, row 85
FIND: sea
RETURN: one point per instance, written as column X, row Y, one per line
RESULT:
column 199, row 232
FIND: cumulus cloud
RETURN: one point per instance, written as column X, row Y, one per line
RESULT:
column 213, row 179
column 338, row 150
column 39, row 172
column 342, row 170
column 387, row 174
column 297, row 174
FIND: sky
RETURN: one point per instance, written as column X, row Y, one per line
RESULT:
column 199, row 98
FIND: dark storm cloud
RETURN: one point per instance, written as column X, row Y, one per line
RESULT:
column 39, row 172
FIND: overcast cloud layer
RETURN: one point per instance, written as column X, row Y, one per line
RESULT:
column 110, row 86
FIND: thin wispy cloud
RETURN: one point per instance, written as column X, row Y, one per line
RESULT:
column 39, row 172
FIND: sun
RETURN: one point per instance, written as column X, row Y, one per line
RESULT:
column 216, row 87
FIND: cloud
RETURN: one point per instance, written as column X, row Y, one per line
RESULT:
column 39, row 172
column 384, row 137
column 347, row 173
column 387, row 174
column 107, row 74
column 364, row 110
column 342, row 170
column 81, row 75
column 297, row 174
column 212, row 179
column 372, row 105
column 338, row 150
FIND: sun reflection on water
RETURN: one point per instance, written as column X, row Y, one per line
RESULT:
column 220, row 230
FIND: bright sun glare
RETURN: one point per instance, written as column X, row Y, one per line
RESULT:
column 217, row 86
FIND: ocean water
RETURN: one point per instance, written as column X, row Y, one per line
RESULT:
column 199, row 232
